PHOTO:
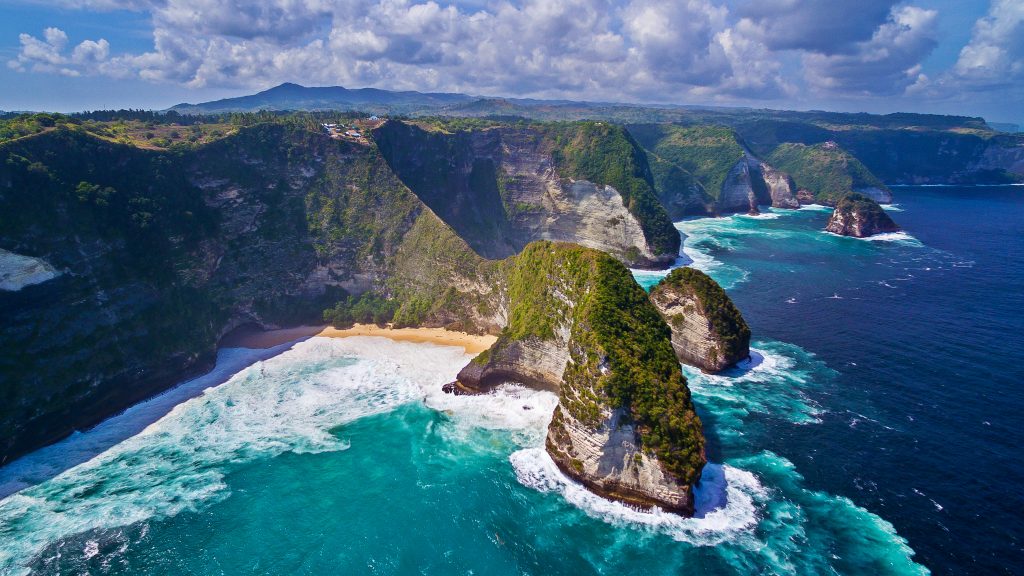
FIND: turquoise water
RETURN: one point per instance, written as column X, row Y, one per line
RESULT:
column 343, row 457
column 340, row 456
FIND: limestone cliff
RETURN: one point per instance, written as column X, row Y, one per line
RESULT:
column 781, row 188
column 859, row 216
column 707, row 330
column 504, row 186
column 579, row 324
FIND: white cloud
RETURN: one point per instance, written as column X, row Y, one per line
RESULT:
column 887, row 64
column 649, row 50
column 595, row 49
column 995, row 54
column 48, row 55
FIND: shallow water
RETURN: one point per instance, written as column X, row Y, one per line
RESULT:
column 847, row 432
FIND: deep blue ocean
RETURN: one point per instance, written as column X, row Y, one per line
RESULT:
column 876, row 430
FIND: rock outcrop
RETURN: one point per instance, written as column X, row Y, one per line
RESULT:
column 738, row 192
column 859, row 216
column 575, row 319
column 781, row 188
column 708, row 330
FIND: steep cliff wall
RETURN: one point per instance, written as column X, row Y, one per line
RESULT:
column 161, row 253
column 824, row 173
column 725, row 176
column 859, row 216
column 707, row 330
column 503, row 187
column 781, row 188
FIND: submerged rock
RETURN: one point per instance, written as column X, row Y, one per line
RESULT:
column 859, row 216
column 708, row 331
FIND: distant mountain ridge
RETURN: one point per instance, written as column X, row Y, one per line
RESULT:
column 290, row 96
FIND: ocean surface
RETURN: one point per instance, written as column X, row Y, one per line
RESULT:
column 877, row 429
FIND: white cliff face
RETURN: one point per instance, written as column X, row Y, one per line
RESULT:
column 738, row 193
column 608, row 460
column 751, row 182
column 781, row 188
column 544, row 206
column 692, row 336
column 695, row 338
column 18, row 271
column 593, row 216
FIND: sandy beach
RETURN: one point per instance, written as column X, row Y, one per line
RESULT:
column 255, row 338
column 474, row 344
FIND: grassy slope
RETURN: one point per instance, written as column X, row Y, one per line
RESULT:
column 706, row 151
column 827, row 172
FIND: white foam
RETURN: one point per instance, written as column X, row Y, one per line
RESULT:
column 289, row 402
column 80, row 447
column 18, row 271
column 768, row 214
column 767, row 382
column 726, row 501
column 815, row 208
column 896, row 237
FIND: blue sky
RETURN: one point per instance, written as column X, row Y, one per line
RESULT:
column 943, row 56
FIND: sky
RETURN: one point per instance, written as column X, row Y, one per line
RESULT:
column 940, row 56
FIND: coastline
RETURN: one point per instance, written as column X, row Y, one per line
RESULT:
column 472, row 343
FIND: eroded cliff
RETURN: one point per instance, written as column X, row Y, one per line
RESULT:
column 504, row 186
column 708, row 330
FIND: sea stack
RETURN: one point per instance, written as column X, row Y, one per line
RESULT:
column 708, row 330
column 859, row 216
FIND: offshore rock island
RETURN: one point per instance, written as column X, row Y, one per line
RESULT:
column 859, row 216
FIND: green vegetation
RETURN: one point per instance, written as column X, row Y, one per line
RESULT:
column 367, row 308
column 870, row 217
column 826, row 170
column 607, row 155
column 679, row 191
column 613, row 324
column 731, row 329
column 645, row 374
column 706, row 151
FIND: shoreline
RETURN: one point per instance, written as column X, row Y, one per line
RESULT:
column 259, row 339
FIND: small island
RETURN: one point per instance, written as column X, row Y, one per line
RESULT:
column 859, row 216
column 708, row 330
